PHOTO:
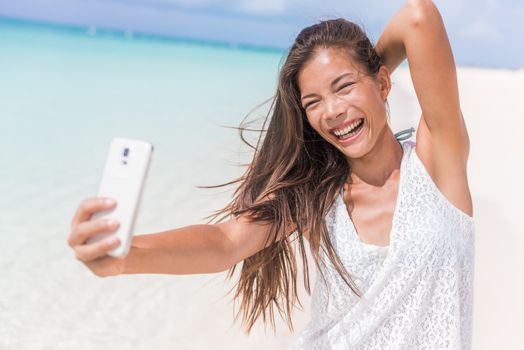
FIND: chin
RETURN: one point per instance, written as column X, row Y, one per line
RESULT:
column 354, row 153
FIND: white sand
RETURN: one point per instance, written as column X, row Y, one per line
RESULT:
column 50, row 301
column 492, row 105
column 491, row 102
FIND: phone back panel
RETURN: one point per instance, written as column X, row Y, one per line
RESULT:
column 123, row 179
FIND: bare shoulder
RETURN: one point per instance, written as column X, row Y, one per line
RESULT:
column 442, row 136
column 446, row 166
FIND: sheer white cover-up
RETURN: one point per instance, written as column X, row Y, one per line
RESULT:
column 418, row 291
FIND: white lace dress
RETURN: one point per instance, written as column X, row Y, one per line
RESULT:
column 418, row 291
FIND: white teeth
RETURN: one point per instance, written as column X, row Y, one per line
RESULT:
column 346, row 129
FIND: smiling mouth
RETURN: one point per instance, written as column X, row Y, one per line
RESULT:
column 349, row 131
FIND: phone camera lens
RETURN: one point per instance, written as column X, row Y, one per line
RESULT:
column 126, row 151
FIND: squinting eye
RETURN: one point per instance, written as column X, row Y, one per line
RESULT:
column 345, row 86
column 309, row 104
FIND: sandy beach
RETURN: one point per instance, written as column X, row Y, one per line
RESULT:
column 48, row 300
column 490, row 102
column 491, row 98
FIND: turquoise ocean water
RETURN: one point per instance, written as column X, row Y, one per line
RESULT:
column 64, row 93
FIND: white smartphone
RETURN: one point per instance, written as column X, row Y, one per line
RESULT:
column 123, row 179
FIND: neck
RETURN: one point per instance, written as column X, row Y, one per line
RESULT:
column 380, row 164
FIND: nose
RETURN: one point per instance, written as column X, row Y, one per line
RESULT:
column 334, row 107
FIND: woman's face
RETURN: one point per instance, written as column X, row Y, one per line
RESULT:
column 343, row 104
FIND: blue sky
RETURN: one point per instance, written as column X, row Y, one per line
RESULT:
column 482, row 32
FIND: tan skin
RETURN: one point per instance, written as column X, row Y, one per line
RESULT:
column 416, row 32
column 333, row 91
column 375, row 155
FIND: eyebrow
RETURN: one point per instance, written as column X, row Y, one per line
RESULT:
column 333, row 83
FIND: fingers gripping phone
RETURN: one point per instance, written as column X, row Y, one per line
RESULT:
column 123, row 180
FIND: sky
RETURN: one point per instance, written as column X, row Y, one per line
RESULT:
column 482, row 32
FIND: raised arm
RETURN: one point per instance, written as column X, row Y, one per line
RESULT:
column 417, row 32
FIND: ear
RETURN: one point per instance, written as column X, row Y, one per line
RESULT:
column 384, row 82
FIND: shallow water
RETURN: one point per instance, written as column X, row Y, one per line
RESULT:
column 63, row 95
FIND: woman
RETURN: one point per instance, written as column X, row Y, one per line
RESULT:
column 389, row 224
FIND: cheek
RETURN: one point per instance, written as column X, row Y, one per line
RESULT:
column 375, row 111
column 316, row 124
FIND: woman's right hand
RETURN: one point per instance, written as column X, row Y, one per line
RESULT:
column 94, row 255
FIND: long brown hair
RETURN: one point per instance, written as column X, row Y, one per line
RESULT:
column 292, row 182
